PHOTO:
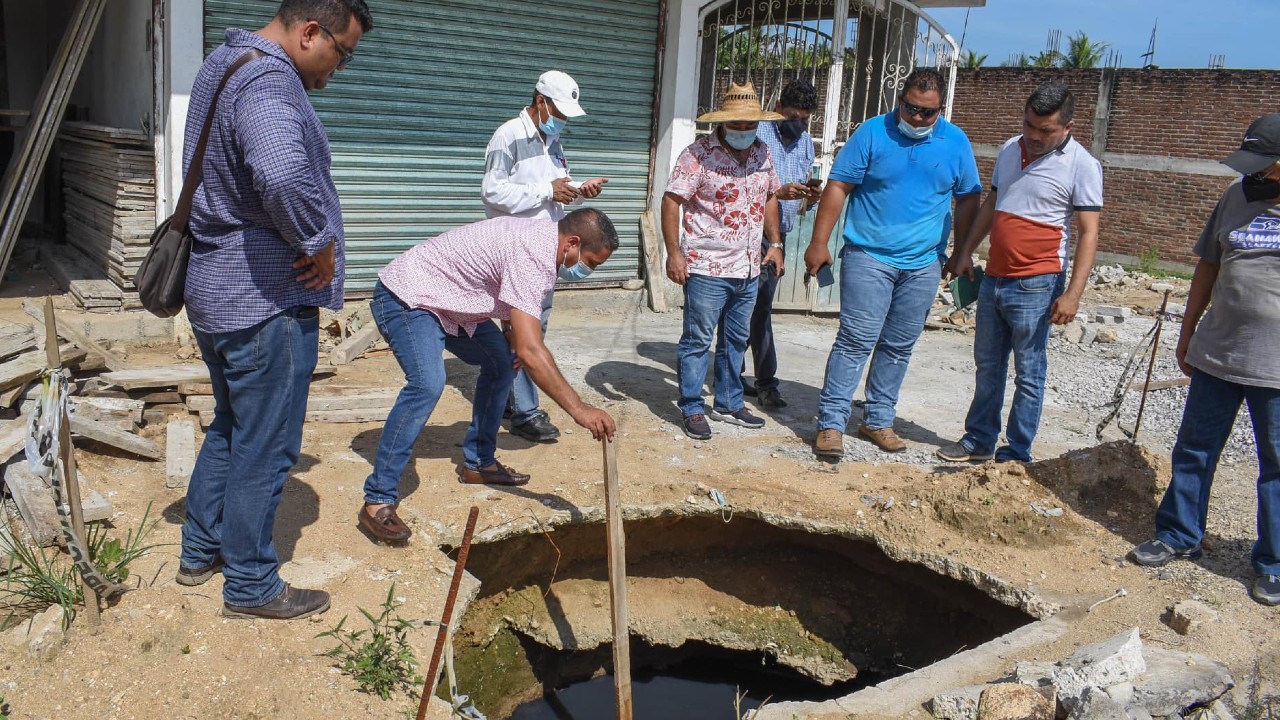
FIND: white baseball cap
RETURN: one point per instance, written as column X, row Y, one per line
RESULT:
column 562, row 90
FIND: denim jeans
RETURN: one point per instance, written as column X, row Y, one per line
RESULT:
column 523, row 402
column 1013, row 317
column 712, row 303
column 882, row 313
column 1207, row 419
column 764, row 354
column 418, row 341
column 260, row 377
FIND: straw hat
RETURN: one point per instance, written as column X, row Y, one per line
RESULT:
column 740, row 104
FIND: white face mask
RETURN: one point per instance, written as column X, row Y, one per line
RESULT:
column 913, row 132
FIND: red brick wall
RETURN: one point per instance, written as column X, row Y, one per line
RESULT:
column 1199, row 114
column 988, row 101
column 1185, row 114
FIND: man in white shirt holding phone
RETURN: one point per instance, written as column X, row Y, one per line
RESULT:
column 527, row 175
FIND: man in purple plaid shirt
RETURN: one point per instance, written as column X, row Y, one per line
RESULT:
column 268, row 253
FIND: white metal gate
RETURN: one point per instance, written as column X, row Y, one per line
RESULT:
column 855, row 52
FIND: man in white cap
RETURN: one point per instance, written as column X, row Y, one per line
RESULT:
column 723, row 195
column 526, row 175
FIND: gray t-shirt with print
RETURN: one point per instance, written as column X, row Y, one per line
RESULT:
column 1238, row 339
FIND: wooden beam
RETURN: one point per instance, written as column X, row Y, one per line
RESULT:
column 108, row 435
column 655, row 275
column 82, row 341
column 180, row 453
column 25, row 368
column 354, row 346
column 617, row 553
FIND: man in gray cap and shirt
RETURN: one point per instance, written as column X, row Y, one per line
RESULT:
column 1232, row 355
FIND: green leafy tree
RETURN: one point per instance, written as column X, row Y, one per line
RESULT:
column 1047, row 59
column 1083, row 52
column 972, row 59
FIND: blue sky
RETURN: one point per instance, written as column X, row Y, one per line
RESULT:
column 1189, row 30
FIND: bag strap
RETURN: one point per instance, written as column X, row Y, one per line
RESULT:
column 195, row 172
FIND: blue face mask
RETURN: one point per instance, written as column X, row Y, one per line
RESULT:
column 739, row 139
column 913, row 132
column 578, row 271
column 553, row 125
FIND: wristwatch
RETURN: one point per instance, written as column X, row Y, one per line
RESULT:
column 775, row 246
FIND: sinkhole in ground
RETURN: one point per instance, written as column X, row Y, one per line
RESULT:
column 772, row 609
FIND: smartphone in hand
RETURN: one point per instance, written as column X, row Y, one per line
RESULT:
column 826, row 277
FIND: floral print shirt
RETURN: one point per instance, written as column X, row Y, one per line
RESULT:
column 723, row 218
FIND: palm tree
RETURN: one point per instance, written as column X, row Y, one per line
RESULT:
column 972, row 59
column 1047, row 59
column 1083, row 53
column 1019, row 60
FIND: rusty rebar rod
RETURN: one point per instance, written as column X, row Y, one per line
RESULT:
column 429, row 684
column 1155, row 348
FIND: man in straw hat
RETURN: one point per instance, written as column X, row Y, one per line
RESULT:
column 722, row 194
column 899, row 173
column 1229, row 351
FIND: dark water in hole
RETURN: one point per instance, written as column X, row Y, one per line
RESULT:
column 670, row 698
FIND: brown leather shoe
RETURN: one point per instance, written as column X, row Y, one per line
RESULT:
column 291, row 604
column 884, row 438
column 384, row 524
column 830, row 443
column 496, row 474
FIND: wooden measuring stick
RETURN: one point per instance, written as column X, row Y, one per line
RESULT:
column 71, row 482
column 617, row 582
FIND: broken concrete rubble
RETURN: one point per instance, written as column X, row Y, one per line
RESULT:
column 1011, row 701
column 1115, row 679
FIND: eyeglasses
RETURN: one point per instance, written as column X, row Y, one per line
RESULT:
column 923, row 112
column 342, row 49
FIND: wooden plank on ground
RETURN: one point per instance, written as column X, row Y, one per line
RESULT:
column 200, row 403
column 13, row 437
column 15, row 339
column 27, row 367
column 180, row 453
column 195, row 389
column 163, row 376
column 157, row 397
column 354, row 346
column 357, row 415
column 82, row 341
column 108, row 435
column 122, row 412
column 35, row 503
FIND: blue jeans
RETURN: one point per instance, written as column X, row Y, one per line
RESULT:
column 1013, row 317
column 524, row 393
column 1212, row 405
column 418, row 341
column 260, row 377
column 882, row 313
column 711, row 303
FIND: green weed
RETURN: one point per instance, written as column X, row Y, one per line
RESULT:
column 379, row 659
column 36, row 578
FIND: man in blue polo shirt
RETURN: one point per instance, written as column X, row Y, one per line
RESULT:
column 899, row 173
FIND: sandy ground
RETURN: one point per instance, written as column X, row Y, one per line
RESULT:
column 163, row 650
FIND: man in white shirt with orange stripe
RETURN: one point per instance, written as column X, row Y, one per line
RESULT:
column 1042, row 180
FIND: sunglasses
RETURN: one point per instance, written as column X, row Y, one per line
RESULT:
column 923, row 112
column 346, row 54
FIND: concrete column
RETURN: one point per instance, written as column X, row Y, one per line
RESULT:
column 183, row 51
column 1102, row 112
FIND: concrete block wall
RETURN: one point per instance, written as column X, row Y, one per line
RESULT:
column 1159, row 134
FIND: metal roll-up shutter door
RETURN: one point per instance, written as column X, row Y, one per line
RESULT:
column 409, row 118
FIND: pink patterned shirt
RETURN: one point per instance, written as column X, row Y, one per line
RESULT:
column 478, row 271
column 724, row 206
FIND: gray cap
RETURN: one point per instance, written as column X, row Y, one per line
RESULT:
column 1261, row 147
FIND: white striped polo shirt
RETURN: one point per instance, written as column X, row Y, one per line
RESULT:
column 1035, row 201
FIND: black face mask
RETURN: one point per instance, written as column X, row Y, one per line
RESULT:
column 792, row 129
column 1255, row 188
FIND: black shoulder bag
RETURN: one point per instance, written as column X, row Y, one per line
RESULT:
column 162, row 276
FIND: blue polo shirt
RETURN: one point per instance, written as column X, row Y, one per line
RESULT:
column 900, row 211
